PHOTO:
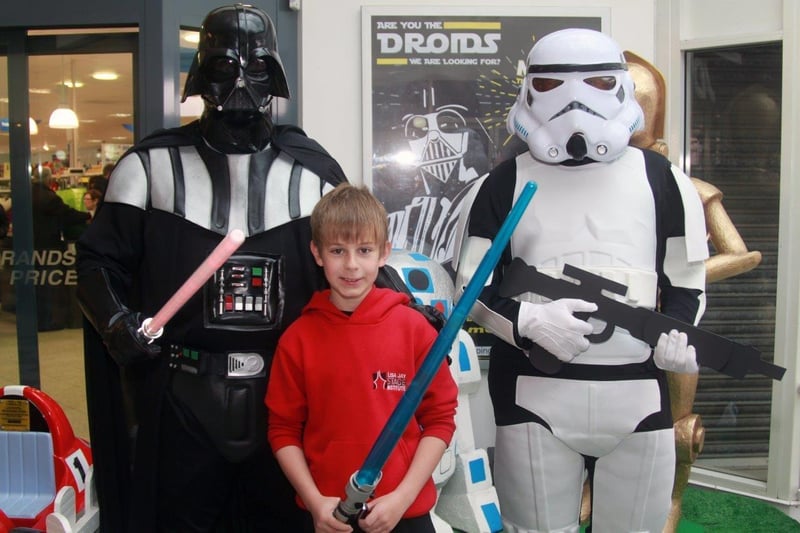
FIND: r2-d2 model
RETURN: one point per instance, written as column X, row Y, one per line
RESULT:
column 467, row 498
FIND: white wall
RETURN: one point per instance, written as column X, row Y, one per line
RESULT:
column 724, row 21
column 331, row 61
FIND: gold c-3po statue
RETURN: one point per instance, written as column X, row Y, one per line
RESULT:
column 732, row 258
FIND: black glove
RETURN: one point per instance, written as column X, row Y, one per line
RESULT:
column 124, row 341
column 117, row 325
column 390, row 279
column 434, row 317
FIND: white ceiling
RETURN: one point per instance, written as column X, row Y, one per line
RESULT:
column 102, row 106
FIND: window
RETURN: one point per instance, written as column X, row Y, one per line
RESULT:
column 734, row 109
column 90, row 71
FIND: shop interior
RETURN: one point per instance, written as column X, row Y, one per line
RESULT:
column 95, row 90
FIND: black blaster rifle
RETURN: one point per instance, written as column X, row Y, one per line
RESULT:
column 713, row 351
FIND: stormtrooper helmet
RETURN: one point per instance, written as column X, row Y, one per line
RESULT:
column 577, row 100
column 237, row 66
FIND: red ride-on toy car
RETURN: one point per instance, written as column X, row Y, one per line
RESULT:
column 39, row 455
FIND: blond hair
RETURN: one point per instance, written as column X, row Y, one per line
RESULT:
column 349, row 213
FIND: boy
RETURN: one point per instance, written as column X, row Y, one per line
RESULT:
column 343, row 366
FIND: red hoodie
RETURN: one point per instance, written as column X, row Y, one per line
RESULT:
column 336, row 379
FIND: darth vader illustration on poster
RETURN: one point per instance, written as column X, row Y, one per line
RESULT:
column 437, row 150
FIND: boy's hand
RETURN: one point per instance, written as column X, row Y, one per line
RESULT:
column 321, row 510
column 384, row 513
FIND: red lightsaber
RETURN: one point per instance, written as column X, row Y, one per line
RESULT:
column 152, row 328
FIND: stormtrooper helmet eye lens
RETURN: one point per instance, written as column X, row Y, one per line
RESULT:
column 257, row 69
column 219, row 69
column 604, row 83
column 543, row 85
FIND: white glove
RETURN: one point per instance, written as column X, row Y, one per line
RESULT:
column 674, row 354
column 553, row 326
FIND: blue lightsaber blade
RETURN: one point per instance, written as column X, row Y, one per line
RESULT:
column 363, row 482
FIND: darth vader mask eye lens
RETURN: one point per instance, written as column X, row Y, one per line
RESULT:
column 604, row 83
column 257, row 69
column 543, row 85
column 221, row 69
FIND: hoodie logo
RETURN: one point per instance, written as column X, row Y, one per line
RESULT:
column 389, row 381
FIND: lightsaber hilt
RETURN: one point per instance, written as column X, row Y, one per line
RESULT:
column 147, row 332
column 153, row 328
column 355, row 503
column 369, row 474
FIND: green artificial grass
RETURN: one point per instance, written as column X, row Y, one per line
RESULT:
column 710, row 511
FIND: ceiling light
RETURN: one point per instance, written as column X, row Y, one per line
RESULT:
column 63, row 118
column 33, row 127
column 73, row 84
column 105, row 75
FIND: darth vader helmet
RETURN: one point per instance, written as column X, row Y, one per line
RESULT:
column 237, row 66
column 577, row 100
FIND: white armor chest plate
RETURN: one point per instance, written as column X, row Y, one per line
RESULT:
column 598, row 217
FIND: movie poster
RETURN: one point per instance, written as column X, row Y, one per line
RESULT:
column 441, row 87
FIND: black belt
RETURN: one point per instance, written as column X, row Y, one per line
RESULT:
column 231, row 364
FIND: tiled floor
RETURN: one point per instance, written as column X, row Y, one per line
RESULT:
column 60, row 368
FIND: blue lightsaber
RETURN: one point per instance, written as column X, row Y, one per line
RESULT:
column 363, row 482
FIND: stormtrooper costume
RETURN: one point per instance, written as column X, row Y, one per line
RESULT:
column 194, row 398
column 617, row 211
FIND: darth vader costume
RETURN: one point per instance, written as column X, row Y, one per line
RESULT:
column 178, row 426
column 566, row 407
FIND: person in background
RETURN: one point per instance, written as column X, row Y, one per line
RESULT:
column 361, row 345
column 91, row 201
column 194, row 398
column 50, row 214
column 4, row 222
column 101, row 182
column 52, row 222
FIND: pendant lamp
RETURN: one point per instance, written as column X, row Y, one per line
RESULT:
column 63, row 117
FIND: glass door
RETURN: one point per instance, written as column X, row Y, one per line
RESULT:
column 76, row 87
column 735, row 123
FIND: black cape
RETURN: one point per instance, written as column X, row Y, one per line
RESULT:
column 108, row 403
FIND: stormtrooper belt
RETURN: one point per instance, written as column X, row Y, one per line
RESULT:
column 232, row 364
